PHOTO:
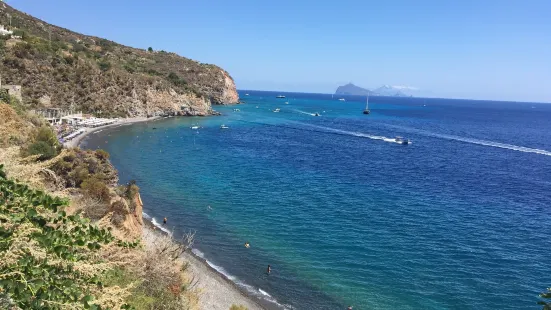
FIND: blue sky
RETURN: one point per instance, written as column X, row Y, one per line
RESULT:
column 485, row 49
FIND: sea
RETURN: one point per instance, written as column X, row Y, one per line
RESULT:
column 458, row 219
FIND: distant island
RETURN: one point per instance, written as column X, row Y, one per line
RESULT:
column 385, row 90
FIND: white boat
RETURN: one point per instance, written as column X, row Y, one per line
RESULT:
column 401, row 140
column 224, row 126
column 276, row 110
column 246, row 94
column 286, row 102
column 194, row 127
column 341, row 99
column 236, row 110
column 280, row 96
column 366, row 110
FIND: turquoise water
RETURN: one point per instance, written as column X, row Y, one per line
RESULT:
column 457, row 220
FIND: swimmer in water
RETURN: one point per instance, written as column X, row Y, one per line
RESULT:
column 269, row 269
column 247, row 245
column 209, row 208
column 164, row 220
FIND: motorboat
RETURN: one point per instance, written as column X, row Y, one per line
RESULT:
column 280, row 96
column 224, row 126
column 342, row 99
column 401, row 140
column 276, row 110
column 246, row 94
column 236, row 110
column 286, row 102
column 194, row 127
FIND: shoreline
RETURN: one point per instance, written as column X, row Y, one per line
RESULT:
column 219, row 291
column 87, row 131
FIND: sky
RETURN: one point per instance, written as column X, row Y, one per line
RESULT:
column 484, row 49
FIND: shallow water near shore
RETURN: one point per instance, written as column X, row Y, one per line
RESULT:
column 342, row 213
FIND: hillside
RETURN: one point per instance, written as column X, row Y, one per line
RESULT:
column 61, row 68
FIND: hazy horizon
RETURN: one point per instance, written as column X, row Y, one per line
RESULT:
column 494, row 50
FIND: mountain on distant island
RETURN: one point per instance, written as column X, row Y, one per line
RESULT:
column 385, row 90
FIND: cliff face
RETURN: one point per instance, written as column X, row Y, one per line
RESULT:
column 96, row 75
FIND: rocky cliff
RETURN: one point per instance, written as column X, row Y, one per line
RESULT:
column 61, row 68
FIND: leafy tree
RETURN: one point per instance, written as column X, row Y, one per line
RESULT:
column 150, row 49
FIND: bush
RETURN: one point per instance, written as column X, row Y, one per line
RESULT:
column 150, row 49
column 102, row 154
column 104, row 66
column 236, row 307
column 95, row 188
column 45, row 150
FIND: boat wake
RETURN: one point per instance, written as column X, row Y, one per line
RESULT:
column 248, row 288
column 303, row 112
column 349, row 133
column 476, row 141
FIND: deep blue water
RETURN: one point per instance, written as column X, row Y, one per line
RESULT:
column 459, row 219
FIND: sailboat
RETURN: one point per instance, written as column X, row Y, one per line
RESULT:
column 366, row 111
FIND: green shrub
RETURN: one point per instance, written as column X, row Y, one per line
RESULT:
column 104, row 65
column 42, row 148
column 46, row 255
column 95, row 188
column 102, row 154
column 236, row 307
column 150, row 49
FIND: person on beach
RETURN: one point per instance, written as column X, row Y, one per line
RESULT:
column 164, row 220
column 269, row 269
column 247, row 245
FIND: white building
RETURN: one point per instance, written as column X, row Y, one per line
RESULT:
column 4, row 31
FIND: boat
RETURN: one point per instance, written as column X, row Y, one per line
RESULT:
column 341, row 99
column 246, row 94
column 366, row 110
column 224, row 126
column 194, row 127
column 236, row 110
column 286, row 102
column 280, row 96
column 316, row 114
column 276, row 110
column 401, row 140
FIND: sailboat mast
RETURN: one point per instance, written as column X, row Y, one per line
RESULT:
column 367, row 102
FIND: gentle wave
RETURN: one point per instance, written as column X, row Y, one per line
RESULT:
column 250, row 289
column 476, row 141
column 157, row 224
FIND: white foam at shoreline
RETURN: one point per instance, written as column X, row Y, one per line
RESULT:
column 250, row 289
column 156, row 224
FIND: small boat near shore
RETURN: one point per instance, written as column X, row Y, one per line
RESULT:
column 276, row 110
column 195, row 127
column 366, row 110
column 280, row 96
column 401, row 140
column 342, row 99
column 224, row 126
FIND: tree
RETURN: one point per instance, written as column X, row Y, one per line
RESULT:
column 150, row 49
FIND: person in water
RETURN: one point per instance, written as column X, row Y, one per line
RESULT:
column 349, row 308
column 247, row 244
column 164, row 220
column 269, row 269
